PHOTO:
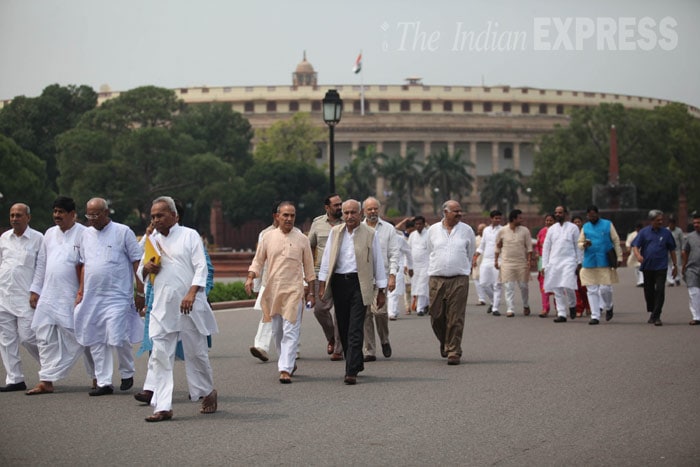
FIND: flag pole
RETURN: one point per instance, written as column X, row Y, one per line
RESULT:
column 362, row 93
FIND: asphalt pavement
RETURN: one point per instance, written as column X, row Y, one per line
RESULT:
column 528, row 392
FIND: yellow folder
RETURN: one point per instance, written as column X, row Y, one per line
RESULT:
column 150, row 252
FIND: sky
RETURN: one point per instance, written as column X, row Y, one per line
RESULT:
column 639, row 47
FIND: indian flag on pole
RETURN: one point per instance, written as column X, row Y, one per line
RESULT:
column 358, row 64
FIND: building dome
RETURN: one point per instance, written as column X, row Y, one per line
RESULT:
column 304, row 75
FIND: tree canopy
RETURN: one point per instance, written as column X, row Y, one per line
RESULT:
column 658, row 153
column 289, row 140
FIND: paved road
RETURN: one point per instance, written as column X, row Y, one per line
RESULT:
column 530, row 392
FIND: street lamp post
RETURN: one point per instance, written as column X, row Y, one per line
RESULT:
column 332, row 111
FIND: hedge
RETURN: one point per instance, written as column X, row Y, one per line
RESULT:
column 228, row 292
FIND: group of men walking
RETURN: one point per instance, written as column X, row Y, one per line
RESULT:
column 79, row 291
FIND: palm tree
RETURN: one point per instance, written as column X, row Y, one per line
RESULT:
column 501, row 190
column 359, row 178
column 448, row 175
column 403, row 174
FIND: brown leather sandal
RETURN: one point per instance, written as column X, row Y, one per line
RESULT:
column 209, row 403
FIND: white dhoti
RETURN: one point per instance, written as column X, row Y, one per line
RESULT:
column 58, row 350
column 286, row 336
column 16, row 330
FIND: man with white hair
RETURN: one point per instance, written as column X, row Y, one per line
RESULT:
column 180, row 310
column 390, row 253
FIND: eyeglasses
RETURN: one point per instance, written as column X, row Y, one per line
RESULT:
column 91, row 217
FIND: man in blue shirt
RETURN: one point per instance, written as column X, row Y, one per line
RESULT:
column 652, row 247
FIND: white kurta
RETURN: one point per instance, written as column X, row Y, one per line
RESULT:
column 102, row 317
column 418, row 241
column 18, row 256
column 56, row 278
column 561, row 256
column 488, row 274
column 182, row 265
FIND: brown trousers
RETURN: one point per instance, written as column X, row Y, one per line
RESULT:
column 448, row 306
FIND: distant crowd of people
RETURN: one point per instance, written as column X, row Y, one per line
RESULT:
column 97, row 290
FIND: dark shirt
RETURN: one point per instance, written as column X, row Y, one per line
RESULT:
column 654, row 246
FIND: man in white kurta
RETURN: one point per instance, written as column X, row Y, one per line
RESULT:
column 110, row 254
column 560, row 259
column 19, row 248
column 488, row 274
column 180, row 310
column 53, row 291
column 287, row 253
column 395, row 299
column 418, row 241
column 390, row 252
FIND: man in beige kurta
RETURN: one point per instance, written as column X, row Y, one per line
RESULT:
column 514, row 248
column 289, row 262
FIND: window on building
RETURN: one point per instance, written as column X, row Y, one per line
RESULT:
column 488, row 107
column 405, row 106
column 447, row 106
column 227, row 89
column 525, row 108
column 560, row 109
column 271, row 106
column 506, row 89
column 468, row 106
column 249, row 89
column 543, row 109
column 249, row 107
column 183, row 90
column 542, row 91
column 383, row 87
column 508, row 153
column 294, row 106
column 384, row 105
column 447, row 88
column 205, row 90
column 315, row 106
column 506, row 106
column 427, row 106
column 524, row 90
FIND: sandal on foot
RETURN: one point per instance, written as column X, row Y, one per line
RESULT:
column 209, row 403
column 161, row 416
column 41, row 388
column 285, row 378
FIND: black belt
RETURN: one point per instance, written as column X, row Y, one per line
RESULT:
column 347, row 276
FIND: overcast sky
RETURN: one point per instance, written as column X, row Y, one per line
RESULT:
column 639, row 47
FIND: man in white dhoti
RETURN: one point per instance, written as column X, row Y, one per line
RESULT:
column 480, row 293
column 180, row 309
column 19, row 248
column 418, row 241
column 560, row 259
column 598, row 236
column 263, row 337
column 53, row 291
column 287, row 254
column 105, row 310
column 395, row 299
column 488, row 274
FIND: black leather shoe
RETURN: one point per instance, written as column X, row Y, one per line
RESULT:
column 560, row 319
column 350, row 380
column 651, row 320
column 443, row 352
column 609, row 314
column 572, row 312
column 144, row 396
column 370, row 358
column 21, row 386
column 126, row 384
column 496, row 313
column 386, row 350
column 658, row 323
column 453, row 360
column 101, row 391
column 593, row 321
column 489, row 309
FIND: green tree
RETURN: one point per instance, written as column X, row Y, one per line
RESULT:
column 449, row 173
column 404, row 175
column 23, row 180
column 501, row 191
column 34, row 122
column 289, row 140
column 132, row 149
column 268, row 182
column 358, row 179
column 657, row 153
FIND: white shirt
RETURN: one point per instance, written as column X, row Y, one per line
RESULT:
column 488, row 242
column 390, row 247
column 18, row 256
column 451, row 253
column 56, row 278
column 346, row 262
column 183, row 265
column 418, row 241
